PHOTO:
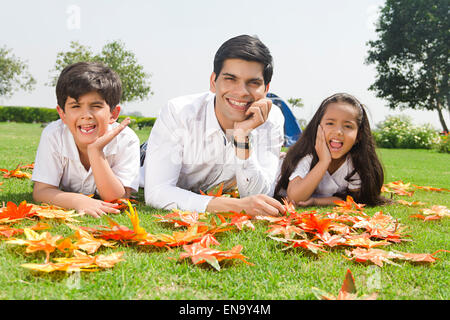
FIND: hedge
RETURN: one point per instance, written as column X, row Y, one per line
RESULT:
column 45, row 115
column 28, row 114
column 140, row 122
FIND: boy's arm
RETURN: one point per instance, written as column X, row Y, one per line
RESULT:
column 108, row 185
column 47, row 193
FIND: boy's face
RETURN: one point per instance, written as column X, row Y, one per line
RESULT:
column 87, row 118
column 239, row 84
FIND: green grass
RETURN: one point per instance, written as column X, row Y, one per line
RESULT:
column 147, row 273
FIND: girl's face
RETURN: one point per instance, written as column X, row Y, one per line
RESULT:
column 340, row 126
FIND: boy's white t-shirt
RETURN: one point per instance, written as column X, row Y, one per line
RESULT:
column 330, row 184
column 58, row 162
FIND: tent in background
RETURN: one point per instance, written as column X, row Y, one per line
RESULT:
column 292, row 130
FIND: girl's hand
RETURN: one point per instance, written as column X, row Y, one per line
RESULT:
column 308, row 203
column 321, row 146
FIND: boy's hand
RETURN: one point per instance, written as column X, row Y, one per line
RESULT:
column 102, row 141
column 257, row 114
column 321, row 146
column 95, row 208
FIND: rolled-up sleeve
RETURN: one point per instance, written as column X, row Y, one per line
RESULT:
column 257, row 173
column 48, row 164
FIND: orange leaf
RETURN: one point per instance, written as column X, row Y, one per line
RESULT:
column 14, row 212
column 411, row 204
column 200, row 254
column 348, row 206
column 80, row 262
column 16, row 173
column 347, row 292
column 38, row 242
column 427, row 188
column 378, row 256
column 399, row 188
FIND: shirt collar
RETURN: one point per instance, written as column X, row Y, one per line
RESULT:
column 212, row 124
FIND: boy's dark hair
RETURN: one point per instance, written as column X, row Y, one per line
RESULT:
column 364, row 158
column 83, row 77
column 246, row 48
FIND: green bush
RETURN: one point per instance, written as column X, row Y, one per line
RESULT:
column 399, row 132
column 44, row 115
column 444, row 143
column 140, row 122
column 28, row 114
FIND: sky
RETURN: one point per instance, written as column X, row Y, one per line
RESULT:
column 319, row 47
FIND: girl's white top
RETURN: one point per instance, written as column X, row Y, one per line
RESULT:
column 330, row 183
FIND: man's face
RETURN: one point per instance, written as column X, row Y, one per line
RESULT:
column 238, row 85
column 88, row 117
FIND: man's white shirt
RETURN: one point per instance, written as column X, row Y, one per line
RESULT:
column 188, row 151
column 58, row 162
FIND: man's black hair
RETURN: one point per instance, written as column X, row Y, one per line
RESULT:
column 246, row 48
column 83, row 77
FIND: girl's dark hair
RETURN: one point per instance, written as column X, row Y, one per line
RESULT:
column 83, row 77
column 364, row 157
column 247, row 48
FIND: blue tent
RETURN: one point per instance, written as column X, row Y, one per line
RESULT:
column 292, row 130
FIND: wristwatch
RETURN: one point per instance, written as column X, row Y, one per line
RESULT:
column 243, row 145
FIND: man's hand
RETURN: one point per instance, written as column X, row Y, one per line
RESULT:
column 256, row 115
column 261, row 205
column 95, row 208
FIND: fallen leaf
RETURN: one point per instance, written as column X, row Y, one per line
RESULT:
column 347, row 292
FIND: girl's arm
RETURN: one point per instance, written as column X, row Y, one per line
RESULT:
column 301, row 189
column 326, row 201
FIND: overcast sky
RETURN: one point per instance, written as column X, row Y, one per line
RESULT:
column 319, row 47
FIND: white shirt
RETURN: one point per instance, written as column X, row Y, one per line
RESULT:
column 188, row 152
column 58, row 162
column 330, row 184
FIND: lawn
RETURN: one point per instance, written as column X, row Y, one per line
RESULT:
column 149, row 273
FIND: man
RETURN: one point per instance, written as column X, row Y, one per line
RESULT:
column 229, row 135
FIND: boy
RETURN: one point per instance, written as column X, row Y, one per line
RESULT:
column 86, row 151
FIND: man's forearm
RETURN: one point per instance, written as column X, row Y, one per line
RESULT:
column 223, row 204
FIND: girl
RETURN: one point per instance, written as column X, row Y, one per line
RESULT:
column 334, row 157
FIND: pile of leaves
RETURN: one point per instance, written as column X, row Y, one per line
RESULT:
column 346, row 226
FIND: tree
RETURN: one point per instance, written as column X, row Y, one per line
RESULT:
column 412, row 55
column 14, row 74
column 135, row 81
column 296, row 102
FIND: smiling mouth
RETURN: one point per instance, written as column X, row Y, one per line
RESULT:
column 87, row 129
column 336, row 145
column 238, row 105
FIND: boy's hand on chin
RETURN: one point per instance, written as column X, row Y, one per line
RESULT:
column 95, row 208
column 102, row 141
